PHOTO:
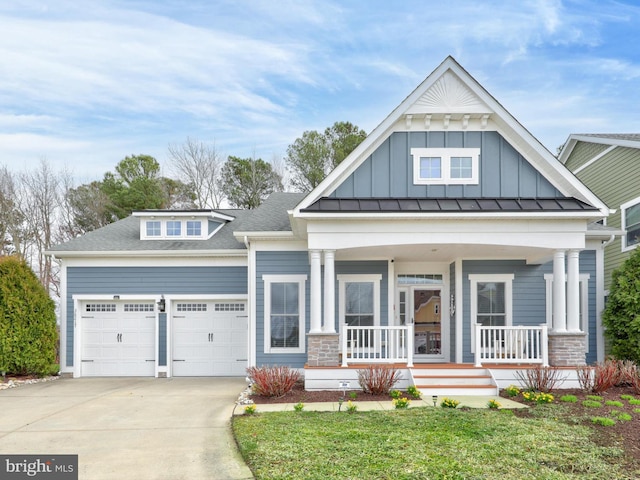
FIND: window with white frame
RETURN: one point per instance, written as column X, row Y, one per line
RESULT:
column 194, row 228
column 359, row 303
column 284, row 313
column 583, row 295
column 446, row 166
column 174, row 228
column 491, row 301
column 630, row 213
column 154, row 228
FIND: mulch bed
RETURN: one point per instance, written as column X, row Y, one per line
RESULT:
column 299, row 394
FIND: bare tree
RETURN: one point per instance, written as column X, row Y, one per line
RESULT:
column 199, row 165
column 40, row 206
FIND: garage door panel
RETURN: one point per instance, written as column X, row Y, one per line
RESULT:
column 115, row 342
column 218, row 338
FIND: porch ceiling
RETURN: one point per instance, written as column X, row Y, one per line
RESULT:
column 445, row 253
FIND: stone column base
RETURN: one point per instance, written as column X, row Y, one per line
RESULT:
column 567, row 349
column 323, row 350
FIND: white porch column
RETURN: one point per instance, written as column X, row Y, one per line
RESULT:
column 573, row 291
column 329, row 324
column 315, row 303
column 559, row 293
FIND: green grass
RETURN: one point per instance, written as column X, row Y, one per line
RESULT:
column 591, row 404
column 569, row 398
column 634, row 401
column 613, row 403
column 421, row 443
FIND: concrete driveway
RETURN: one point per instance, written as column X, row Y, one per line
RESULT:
column 143, row 428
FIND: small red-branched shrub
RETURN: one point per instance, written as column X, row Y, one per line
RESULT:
column 539, row 378
column 378, row 380
column 627, row 369
column 272, row 381
column 586, row 377
column 634, row 381
column 605, row 376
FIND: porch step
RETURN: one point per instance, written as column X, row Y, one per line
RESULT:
column 453, row 380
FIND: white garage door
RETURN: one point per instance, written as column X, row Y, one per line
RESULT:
column 209, row 338
column 118, row 339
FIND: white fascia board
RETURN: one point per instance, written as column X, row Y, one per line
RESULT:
column 184, row 214
column 275, row 246
column 277, row 235
column 148, row 253
column 97, row 261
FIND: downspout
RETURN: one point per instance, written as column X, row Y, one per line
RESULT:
column 250, row 306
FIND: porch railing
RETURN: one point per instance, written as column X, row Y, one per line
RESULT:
column 511, row 344
column 389, row 344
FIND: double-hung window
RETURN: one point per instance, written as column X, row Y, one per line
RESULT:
column 630, row 212
column 359, row 305
column 284, row 313
column 446, row 166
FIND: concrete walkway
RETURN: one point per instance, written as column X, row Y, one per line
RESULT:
column 363, row 406
column 128, row 428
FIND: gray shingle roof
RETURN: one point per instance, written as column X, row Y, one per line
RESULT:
column 124, row 235
column 632, row 137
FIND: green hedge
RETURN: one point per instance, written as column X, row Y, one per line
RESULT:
column 28, row 334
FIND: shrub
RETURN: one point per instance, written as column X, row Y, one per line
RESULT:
column 414, row 392
column 605, row 376
column 585, row 378
column 272, row 381
column 512, row 390
column 449, row 403
column 377, row 379
column 401, row 402
column 627, row 369
column 604, row 421
column 621, row 316
column 634, row 381
column 539, row 378
column 28, row 333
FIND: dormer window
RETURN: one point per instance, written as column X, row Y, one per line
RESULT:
column 154, row 228
column 180, row 224
column 446, row 166
column 174, row 228
column 194, row 228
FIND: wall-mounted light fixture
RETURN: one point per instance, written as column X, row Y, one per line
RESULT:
column 452, row 305
column 161, row 304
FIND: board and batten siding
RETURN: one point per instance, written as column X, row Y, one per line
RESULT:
column 529, row 294
column 150, row 281
column 297, row 263
column 615, row 179
column 388, row 172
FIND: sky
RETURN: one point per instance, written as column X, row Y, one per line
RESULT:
column 85, row 84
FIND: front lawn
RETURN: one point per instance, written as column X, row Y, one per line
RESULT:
column 423, row 443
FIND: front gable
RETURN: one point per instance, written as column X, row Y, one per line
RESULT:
column 451, row 110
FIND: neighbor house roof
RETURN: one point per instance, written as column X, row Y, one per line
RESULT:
column 630, row 140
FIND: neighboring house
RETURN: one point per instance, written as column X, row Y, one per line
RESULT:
column 609, row 164
column 450, row 235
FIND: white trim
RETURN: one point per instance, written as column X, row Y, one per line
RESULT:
column 445, row 155
column 474, row 279
column 62, row 305
column 623, row 220
column 459, row 278
column 584, row 303
column 573, row 140
column 599, row 304
column 359, row 278
column 594, row 159
column 301, row 281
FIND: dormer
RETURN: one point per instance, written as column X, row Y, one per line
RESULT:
column 180, row 224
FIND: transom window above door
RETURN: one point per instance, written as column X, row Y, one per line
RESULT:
column 446, row 166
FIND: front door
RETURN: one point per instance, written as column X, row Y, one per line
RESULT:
column 424, row 310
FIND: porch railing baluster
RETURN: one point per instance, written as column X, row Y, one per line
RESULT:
column 511, row 344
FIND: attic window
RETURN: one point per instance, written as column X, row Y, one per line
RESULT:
column 446, row 166
column 154, row 228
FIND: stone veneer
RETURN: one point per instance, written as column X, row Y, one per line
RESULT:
column 567, row 349
column 323, row 350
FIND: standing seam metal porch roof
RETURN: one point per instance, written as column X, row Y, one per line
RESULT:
column 452, row 205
